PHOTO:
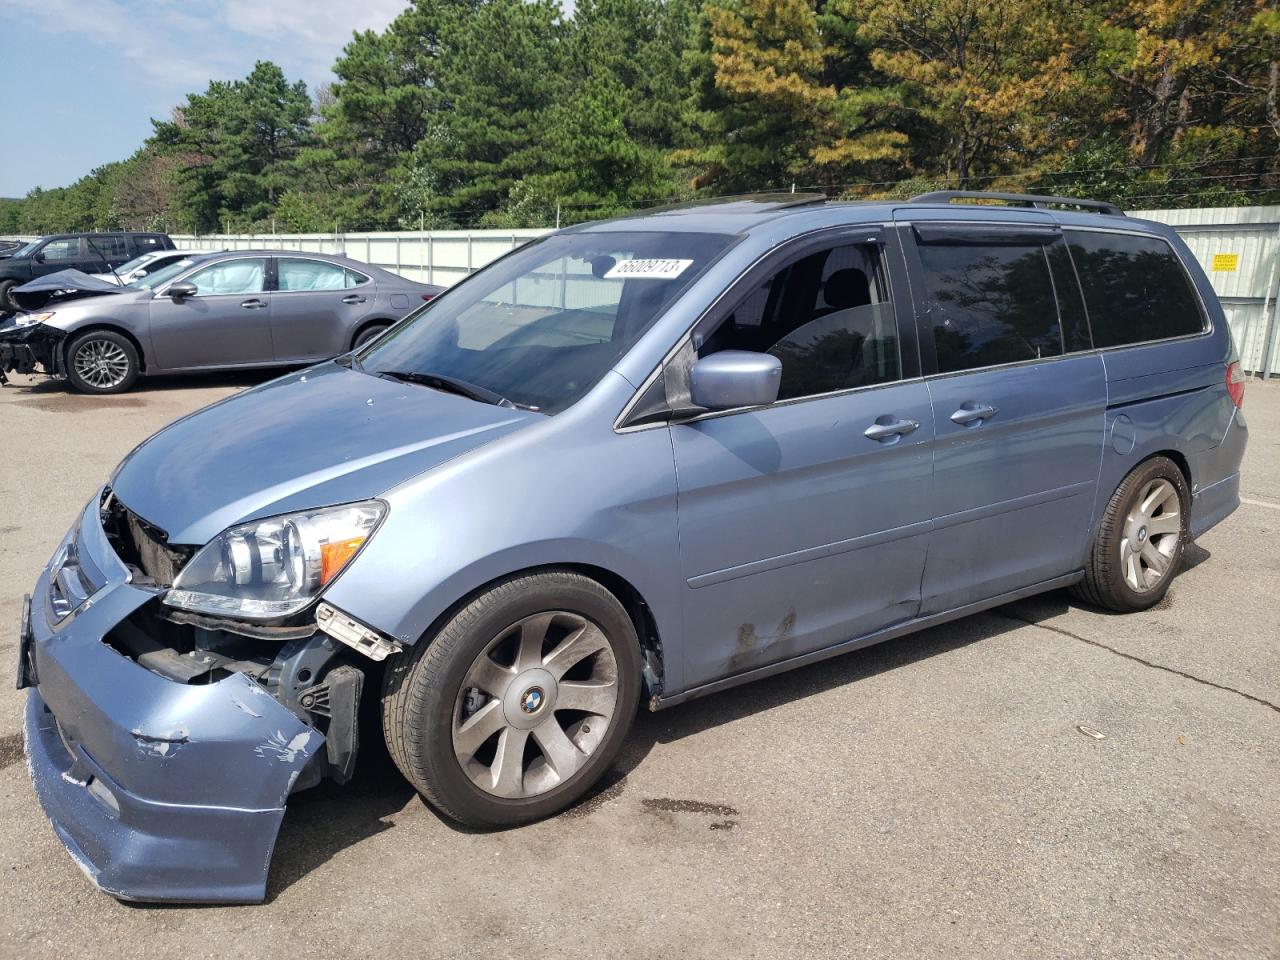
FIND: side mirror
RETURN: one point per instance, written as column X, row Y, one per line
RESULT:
column 181, row 291
column 735, row 378
column 39, row 257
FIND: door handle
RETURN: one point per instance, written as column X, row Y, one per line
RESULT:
column 253, row 304
column 353, row 299
column 970, row 412
column 891, row 430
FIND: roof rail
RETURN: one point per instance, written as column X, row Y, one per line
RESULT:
column 1033, row 199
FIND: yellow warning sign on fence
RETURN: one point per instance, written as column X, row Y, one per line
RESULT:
column 1226, row 262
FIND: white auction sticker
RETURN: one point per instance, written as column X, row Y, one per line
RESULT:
column 647, row 269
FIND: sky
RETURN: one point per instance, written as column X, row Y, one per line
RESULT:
column 80, row 80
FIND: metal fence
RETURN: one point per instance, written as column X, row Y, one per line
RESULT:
column 433, row 256
column 1239, row 249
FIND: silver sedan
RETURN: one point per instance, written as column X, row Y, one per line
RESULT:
column 210, row 311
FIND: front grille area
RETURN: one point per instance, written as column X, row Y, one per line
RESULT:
column 142, row 545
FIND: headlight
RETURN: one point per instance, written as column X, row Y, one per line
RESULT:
column 273, row 568
column 30, row 319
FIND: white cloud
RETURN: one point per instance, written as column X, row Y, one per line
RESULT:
column 178, row 42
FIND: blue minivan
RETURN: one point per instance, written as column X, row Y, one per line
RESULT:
column 633, row 461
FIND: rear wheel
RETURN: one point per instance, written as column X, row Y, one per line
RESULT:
column 1140, row 540
column 368, row 333
column 102, row 361
column 520, row 702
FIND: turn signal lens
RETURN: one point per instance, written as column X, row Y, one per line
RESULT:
column 1235, row 382
column 334, row 556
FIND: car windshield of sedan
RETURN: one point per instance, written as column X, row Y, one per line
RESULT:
column 157, row 277
column 135, row 263
column 541, row 326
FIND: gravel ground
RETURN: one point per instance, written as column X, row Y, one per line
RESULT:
column 930, row 797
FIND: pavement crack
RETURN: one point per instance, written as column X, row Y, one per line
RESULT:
column 1136, row 659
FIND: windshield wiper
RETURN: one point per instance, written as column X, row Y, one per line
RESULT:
column 437, row 381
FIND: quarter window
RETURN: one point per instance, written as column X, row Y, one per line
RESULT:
column 1135, row 289
column 231, row 276
column 826, row 316
column 990, row 303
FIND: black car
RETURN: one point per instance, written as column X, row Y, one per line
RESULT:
column 89, row 252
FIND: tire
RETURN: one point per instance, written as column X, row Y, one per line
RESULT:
column 6, row 304
column 368, row 333
column 479, row 758
column 1139, row 527
column 102, row 362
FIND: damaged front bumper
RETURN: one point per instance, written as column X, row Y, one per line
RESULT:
column 160, row 790
column 30, row 349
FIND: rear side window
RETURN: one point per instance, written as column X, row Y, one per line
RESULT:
column 113, row 247
column 990, row 304
column 1135, row 289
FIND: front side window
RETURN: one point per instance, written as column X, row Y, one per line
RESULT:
column 826, row 317
column 1135, row 289
column 298, row 274
column 62, row 249
column 989, row 303
column 231, row 276
column 542, row 325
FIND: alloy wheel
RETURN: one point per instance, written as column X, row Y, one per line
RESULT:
column 535, row 705
column 101, row 363
column 1152, row 530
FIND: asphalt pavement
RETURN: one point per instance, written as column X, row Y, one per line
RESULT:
column 1043, row 780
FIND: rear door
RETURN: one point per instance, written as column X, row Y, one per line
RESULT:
column 804, row 524
column 1018, row 398
column 227, row 323
column 105, row 251
column 316, row 307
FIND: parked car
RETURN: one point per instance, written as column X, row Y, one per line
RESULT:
column 631, row 462
column 89, row 252
column 210, row 311
column 141, row 266
column 9, row 247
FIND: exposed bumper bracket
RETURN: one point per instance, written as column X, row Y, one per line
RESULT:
column 355, row 634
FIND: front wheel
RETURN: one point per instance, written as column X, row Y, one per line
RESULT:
column 102, row 361
column 1140, row 539
column 6, row 298
column 519, row 703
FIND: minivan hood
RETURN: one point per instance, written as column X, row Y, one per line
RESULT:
column 317, row 437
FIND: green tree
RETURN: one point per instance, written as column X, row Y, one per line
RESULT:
column 237, row 143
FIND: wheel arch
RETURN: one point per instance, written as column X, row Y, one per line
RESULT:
column 626, row 593
column 365, row 325
column 95, row 325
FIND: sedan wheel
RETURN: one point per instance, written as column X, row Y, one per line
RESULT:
column 102, row 361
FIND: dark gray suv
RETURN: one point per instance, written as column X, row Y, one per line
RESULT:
column 90, row 252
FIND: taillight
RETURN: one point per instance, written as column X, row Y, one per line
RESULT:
column 1235, row 382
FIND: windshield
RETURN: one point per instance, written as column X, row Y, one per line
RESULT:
column 153, row 280
column 26, row 249
column 541, row 326
column 135, row 263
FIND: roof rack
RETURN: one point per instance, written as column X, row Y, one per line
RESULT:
column 1040, row 201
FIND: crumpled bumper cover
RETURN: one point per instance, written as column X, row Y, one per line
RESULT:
column 22, row 349
column 161, row 791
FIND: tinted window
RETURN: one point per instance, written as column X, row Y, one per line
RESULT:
column 990, row 304
column 1135, row 288
column 310, row 275
column 108, row 247
column 62, row 249
column 827, row 317
column 231, row 276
